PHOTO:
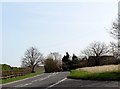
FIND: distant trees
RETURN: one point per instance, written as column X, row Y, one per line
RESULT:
column 5, row 67
column 96, row 49
column 66, row 58
column 69, row 63
column 56, row 56
column 53, row 62
column 75, row 59
column 32, row 58
column 66, row 62
column 75, row 62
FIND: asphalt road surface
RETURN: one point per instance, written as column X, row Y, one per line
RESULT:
column 58, row 80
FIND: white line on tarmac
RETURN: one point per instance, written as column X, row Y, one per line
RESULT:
column 23, row 85
column 56, row 83
column 18, row 85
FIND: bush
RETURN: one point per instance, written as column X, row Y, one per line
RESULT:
column 5, row 67
column 65, row 67
column 51, row 65
column 74, row 66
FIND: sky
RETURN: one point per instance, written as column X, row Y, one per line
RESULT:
column 53, row 27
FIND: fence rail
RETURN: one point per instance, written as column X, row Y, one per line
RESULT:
column 14, row 73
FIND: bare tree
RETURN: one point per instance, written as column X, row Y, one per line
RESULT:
column 32, row 58
column 114, row 49
column 115, row 28
column 96, row 49
column 56, row 56
column 115, row 31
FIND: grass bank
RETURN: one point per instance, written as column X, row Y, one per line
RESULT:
column 3, row 81
column 97, row 73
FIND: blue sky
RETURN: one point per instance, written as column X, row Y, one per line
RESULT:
column 54, row 27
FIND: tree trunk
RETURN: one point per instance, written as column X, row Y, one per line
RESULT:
column 33, row 69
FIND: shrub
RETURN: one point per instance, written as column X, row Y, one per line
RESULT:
column 65, row 67
column 51, row 65
column 5, row 67
column 74, row 66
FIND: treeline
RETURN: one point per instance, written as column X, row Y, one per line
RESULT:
column 76, row 62
column 72, row 62
column 5, row 67
column 68, row 64
column 55, row 62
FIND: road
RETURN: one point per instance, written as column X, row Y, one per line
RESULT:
column 58, row 80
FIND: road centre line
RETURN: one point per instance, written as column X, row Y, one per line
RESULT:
column 56, row 83
column 23, row 85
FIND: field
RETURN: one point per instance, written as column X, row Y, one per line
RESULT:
column 99, row 69
column 107, row 72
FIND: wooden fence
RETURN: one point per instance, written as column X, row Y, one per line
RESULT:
column 14, row 73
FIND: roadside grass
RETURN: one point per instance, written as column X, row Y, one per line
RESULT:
column 100, row 69
column 3, row 81
column 91, row 74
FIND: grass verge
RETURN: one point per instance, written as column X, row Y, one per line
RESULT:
column 3, row 81
column 80, row 74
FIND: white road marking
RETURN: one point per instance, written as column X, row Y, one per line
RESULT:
column 26, row 84
column 23, row 85
column 18, row 85
column 56, row 83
